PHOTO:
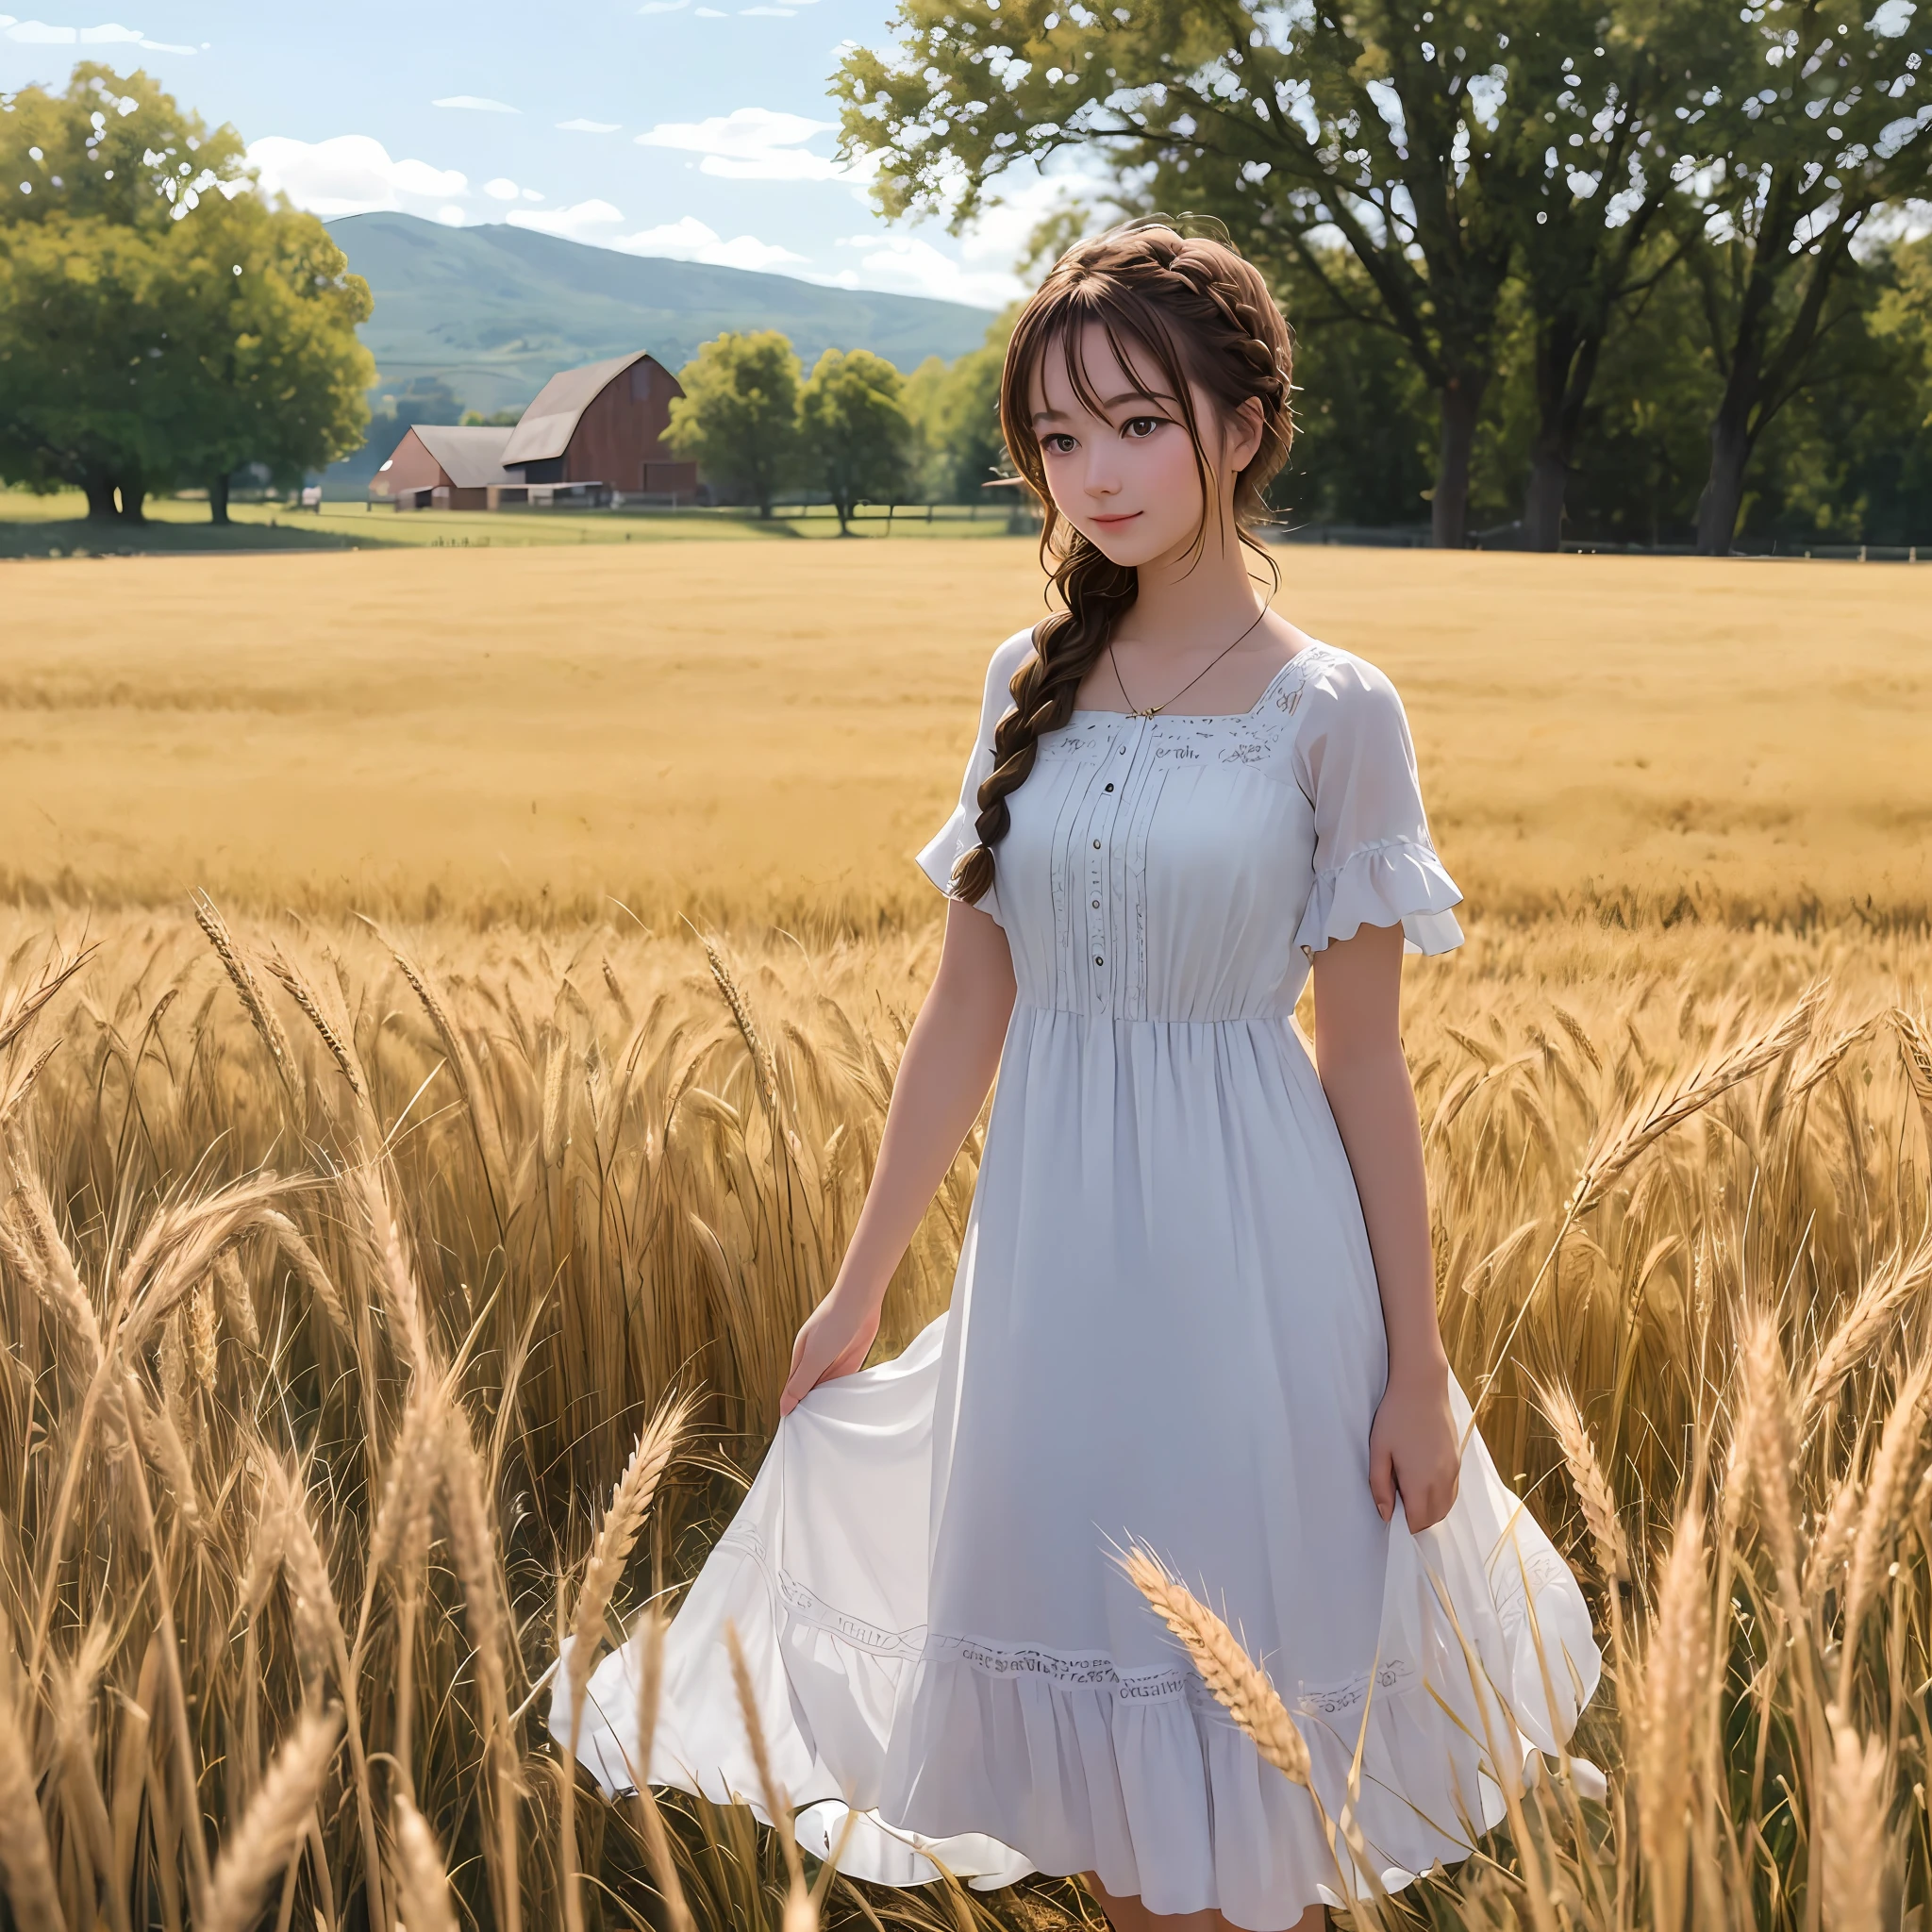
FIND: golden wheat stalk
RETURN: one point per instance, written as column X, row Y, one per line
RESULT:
column 1873, row 1317
column 1618, row 1146
column 334, row 1033
column 1593, row 1487
column 647, row 1640
column 258, row 1851
column 1240, row 1685
column 422, row 1884
column 18, row 1083
column 630, row 1498
column 473, row 1541
column 1671, row 1696
column 235, row 963
column 25, row 1858
column 1884, row 1491
column 1769, row 1449
column 777, row 1804
column 238, row 1302
column 21, row 1006
column 307, row 1264
column 1915, row 1049
column 1849, row 1835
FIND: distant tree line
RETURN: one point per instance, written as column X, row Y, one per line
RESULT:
column 854, row 431
column 161, row 325
column 1630, row 265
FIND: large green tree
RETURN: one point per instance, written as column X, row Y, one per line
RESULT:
column 957, row 407
column 1815, row 114
column 159, row 322
column 738, row 417
column 857, row 437
column 1419, row 142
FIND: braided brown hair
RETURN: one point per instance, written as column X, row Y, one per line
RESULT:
column 1194, row 309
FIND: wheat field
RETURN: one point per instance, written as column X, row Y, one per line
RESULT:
column 385, row 1297
column 530, row 734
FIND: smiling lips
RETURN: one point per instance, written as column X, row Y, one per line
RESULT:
column 1124, row 517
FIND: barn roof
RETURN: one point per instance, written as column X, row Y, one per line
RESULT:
column 471, row 455
column 551, row 420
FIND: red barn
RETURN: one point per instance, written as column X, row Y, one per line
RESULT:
column 441, row 466
column 601, row 428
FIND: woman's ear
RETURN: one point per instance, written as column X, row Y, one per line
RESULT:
column 1244, row 431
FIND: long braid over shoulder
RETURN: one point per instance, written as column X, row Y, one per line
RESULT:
column 1185, row 308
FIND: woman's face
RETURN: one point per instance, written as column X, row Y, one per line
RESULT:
column 1126, row 478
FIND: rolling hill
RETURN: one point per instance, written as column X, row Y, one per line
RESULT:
column 496, row 311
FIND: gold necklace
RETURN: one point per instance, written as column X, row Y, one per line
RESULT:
column 1155, row 710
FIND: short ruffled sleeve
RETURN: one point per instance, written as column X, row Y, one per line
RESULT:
column 958, row 834
column 1373, row 861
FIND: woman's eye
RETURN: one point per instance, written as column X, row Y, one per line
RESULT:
column 1140, row 427
column 1057, row 445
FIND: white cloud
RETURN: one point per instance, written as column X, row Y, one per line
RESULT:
column 531, row 194
column 572, row 224
column 37, row 33
column 348, row 174
column 476, row 103
column 905, row 265
column 690, row 239
column 451, row 217
column 501, row 189
column 582, row 126
column 750, row 144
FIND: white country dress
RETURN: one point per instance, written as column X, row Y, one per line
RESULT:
column 1165, row 1329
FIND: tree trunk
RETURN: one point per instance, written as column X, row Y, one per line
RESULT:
column 100, row 499
column 1461, row 400
column 133, row 494
column 218, row 498
column 1724, row 490
column 1543, row 502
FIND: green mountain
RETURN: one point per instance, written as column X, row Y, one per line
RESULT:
column 496, row 311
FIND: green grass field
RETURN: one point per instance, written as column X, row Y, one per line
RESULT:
column 56, row 526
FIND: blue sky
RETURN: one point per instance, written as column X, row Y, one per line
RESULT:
column 666, row 128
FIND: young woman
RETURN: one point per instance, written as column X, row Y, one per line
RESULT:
column 1195, row 1304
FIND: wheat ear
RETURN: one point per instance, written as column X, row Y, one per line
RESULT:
column 236, row 965
column 1868, row 1321
column 630, row 1499
column 1615, row 1149
column 1593, row 1487
column 258, row 1850
column 1849, row 1835
column 24, row 1857
column 1238, row 1682
column 422, row 1884
column 1884, row 1488
column 1676, row 1669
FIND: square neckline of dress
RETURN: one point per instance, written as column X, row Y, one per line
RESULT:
column 1267, row 692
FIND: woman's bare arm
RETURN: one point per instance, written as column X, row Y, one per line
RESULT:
column 950, row 1059
column 1412, row 1446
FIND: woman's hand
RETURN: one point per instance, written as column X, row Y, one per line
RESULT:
column 833, row 1342
column 1412, row 1448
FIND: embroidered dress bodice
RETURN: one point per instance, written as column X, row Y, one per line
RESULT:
column 1138, row 844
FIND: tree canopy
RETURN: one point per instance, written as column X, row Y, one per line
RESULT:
column 1419, row 172
column 160, row 323
column 739, row 413
column 857, row 439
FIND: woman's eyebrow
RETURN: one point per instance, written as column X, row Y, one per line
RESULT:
column 1132, row 395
